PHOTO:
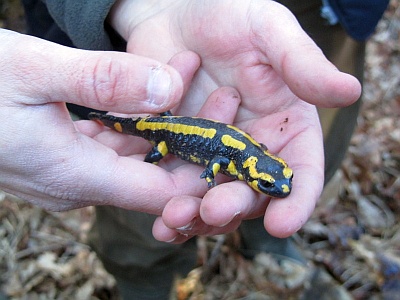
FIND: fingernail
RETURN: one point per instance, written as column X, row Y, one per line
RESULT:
column 188, row 226
column 171, row 240
column 159, row 86
column 234, row 216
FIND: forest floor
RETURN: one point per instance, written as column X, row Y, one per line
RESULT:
column 351, row 242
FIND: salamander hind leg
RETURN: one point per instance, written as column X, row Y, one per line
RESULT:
column 157, row 153
column 212, row 169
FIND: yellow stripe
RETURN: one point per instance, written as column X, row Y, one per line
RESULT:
column 229, row 141
column 176, row 128
column 280, row 160
column 266, row 152
column 246, row 135
column 251, row 164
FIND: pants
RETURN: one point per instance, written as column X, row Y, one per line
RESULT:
column 144, row 268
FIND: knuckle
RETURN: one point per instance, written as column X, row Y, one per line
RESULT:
column 101, row 80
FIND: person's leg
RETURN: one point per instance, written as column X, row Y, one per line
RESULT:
column 337, row 124
column 144, row 268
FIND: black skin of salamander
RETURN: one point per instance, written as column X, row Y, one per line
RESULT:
column 206, row 151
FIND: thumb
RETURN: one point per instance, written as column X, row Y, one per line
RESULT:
column 46, row 72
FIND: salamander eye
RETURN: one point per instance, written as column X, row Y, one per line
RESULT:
column 265, row 184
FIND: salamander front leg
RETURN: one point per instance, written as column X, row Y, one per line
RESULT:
column 213, row 168
column 157, row 153
column 167, row 113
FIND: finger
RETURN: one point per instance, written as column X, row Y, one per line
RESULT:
column 231, row 201
column 182, row 214
column 221, row 105
column 299, row 61
column 176, row 236
column 186, row 63
column 110, row 81
column 284, row 217
column 180, row 217
column 89, row 128
column 123, row 144
column 163, row 233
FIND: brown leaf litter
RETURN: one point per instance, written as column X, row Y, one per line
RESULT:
column 352, row 241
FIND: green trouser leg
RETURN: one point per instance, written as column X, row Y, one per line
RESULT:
column 143, row 267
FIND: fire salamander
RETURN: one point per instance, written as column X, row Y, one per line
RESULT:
column 217, row 146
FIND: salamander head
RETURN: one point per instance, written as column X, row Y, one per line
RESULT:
column 270, row 176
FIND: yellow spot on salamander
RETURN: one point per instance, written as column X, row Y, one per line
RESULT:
column 251, row 164
column 215, row 168
column 229, row 141
column 232, row 168
column 176, row 128
column 285, row 188
column 287, row 172
column 254, row 185
column 233, row 171
column 195, row 159
column 162, row 148
column 118, row 127
column 208, row 179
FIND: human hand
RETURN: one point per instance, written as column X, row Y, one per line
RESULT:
column 258, row 48
column 44, row 156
